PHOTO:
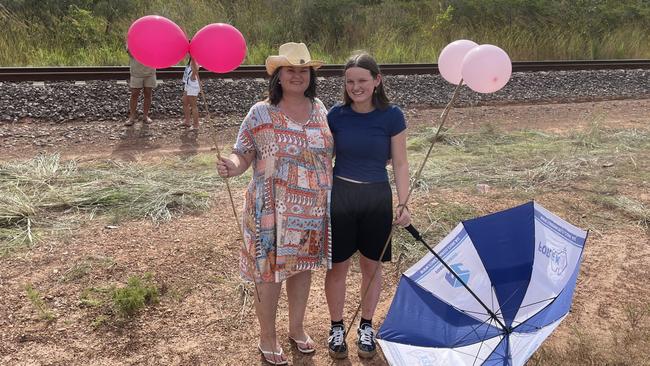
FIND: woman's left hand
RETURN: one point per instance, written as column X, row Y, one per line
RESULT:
column 402, row 216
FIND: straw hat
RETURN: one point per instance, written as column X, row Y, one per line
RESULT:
column 291, row 54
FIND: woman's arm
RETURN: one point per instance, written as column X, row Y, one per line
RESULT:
column 401, row 171
column 235, row 165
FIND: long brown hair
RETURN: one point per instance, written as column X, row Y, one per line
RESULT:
column 365, row 61
column 275, row 89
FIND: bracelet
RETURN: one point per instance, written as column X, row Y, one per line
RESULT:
column 405, row 206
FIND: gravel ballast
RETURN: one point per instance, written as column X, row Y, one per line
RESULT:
column 108, row 100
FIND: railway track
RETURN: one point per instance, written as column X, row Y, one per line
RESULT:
column 17, row 74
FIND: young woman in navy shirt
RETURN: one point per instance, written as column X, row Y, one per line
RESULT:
column 369, row 132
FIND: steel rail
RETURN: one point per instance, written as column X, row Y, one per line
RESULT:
column 17, row 74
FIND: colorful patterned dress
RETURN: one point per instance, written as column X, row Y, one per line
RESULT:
column 286, row 220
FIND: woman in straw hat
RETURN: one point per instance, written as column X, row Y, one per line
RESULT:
column 286, row 212
column 368, row 131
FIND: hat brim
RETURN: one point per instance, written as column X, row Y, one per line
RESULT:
column 273, row 62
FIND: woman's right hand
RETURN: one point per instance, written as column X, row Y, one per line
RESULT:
column 226, row 167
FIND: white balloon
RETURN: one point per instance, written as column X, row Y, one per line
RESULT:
column 451, row 59
column 486, row 68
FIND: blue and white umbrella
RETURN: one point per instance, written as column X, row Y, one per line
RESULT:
column 488, row 294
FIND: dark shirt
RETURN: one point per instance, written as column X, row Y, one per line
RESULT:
column 362, row 141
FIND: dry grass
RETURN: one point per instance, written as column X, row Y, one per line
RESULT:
column 45, row 194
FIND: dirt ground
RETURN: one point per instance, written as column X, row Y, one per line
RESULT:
column 204, row 316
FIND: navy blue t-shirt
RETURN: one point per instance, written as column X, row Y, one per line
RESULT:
column 362, row 141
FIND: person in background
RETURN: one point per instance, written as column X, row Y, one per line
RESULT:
column 191, row 90
column 368, row 132
column 286, row 221
column 142, row 77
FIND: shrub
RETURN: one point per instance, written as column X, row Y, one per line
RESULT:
column 138, row 293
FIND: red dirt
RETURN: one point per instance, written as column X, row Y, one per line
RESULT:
column 203, row 317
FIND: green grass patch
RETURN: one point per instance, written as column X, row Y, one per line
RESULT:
column 36, row 299
column 118, row 303
column 138, row 293
column 94, row 297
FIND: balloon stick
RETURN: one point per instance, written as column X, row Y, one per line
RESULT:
column 250, row 258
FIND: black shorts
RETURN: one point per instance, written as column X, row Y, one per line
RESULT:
column 362, row 216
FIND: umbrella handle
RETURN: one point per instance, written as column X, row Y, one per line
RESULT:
column 414, row 232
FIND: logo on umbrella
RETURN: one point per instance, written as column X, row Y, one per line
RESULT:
column 461, row 272
column 557, row 258
column 424, row 358
column 559, row 262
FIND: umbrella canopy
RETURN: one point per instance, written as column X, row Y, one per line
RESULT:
column 488, row 294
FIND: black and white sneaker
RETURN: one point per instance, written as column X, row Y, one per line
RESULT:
column 336, row 342
column 366, row 343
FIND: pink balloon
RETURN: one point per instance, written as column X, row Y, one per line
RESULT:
column 486, row 68
column 157, row 42
column 451, row 59
column 218, row 47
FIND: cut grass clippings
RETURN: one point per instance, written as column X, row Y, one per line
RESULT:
column 39, row 194
column 525, row 164
column 530, row 160
column 45, row 194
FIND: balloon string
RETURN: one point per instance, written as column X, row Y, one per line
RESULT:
column 250, row 258
column 416, row 177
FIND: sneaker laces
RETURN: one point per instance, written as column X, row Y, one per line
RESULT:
column 366, row 335
column 337, row 337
